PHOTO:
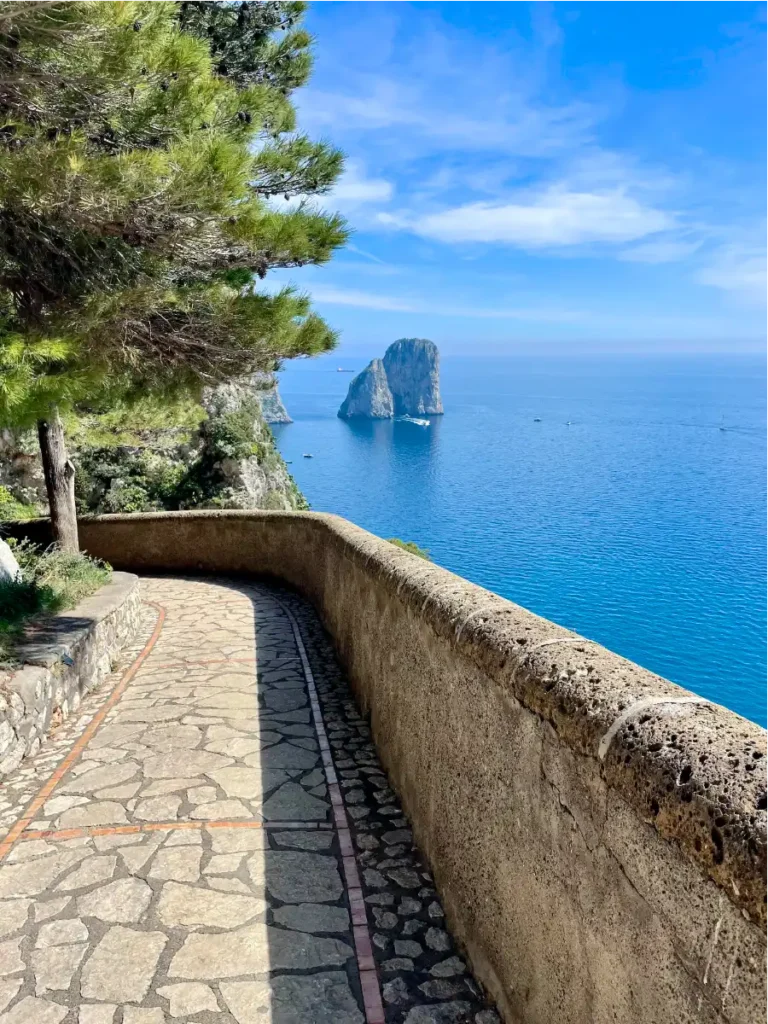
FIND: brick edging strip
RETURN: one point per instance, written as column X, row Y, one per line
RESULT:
column 82, row 831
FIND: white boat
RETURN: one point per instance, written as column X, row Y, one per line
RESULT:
column 308, row 455
column 412, row 419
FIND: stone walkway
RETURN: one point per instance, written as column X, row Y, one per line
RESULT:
column 213, row 840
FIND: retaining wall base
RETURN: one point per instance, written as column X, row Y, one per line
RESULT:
column 69, row 655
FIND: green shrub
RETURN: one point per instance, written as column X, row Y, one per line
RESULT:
column 233, row 435
column 410, row 547
column 11, row 509
column 52, row 580
column 127, row 480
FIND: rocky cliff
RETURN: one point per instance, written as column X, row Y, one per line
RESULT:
column 405, row 383
column 272, row 408
column 268, row 396
column 369, row 395
column 239, row 452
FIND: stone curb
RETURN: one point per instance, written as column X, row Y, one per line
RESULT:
column 69, row 655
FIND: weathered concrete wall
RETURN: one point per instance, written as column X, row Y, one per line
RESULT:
column 70, row 655
column 597, row 833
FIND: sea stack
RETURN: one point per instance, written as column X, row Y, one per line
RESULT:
column 412, row 366
column 369, row 395
column 405, row 383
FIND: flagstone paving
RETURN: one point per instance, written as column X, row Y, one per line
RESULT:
column 216, row 842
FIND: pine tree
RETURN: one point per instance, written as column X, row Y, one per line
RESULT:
column 141, row 147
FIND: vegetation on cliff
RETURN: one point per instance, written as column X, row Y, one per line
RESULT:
column 142, row 144
column 411, row 547
column 13, row 509
column 153, row 457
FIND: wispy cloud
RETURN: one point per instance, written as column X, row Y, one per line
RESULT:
column 364, row 252
column 355, row 188
column 583, row 319
column 737, row 270
column 377, row 301
column 552, row 218
column 360, row 299
column 414, row 107
column 664, row 250
column 400, row 72
column 515, row 126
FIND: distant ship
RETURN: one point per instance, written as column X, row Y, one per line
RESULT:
column 340, row 369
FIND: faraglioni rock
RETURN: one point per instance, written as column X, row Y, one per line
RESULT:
column 369, row 395
column 412, row 366
column 405, row 383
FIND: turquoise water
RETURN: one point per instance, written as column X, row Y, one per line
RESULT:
column 641, row 525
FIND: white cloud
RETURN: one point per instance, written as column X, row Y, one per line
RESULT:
column 737, row 270
column 459, row 153
column 661, row 251
column 355, row 189
column 554, row 217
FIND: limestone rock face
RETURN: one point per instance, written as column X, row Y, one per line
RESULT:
column 412, row 366
column 272, row 408
column 405, row 383
column 369, row 395
column 250, row 480
column 20, row 469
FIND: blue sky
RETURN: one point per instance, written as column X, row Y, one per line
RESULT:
column 523, row 176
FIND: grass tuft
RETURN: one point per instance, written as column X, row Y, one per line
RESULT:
column 410, row 547
column 51, row 580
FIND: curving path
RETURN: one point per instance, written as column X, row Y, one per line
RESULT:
column 213, row 841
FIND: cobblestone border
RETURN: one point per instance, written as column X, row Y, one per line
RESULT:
column 425, row 980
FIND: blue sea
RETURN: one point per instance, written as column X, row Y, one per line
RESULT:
column 626, row 514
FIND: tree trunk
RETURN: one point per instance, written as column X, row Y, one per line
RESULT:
column 59, row 482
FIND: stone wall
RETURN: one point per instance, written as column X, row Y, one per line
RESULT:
column 596, row 832
column 70, row 655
